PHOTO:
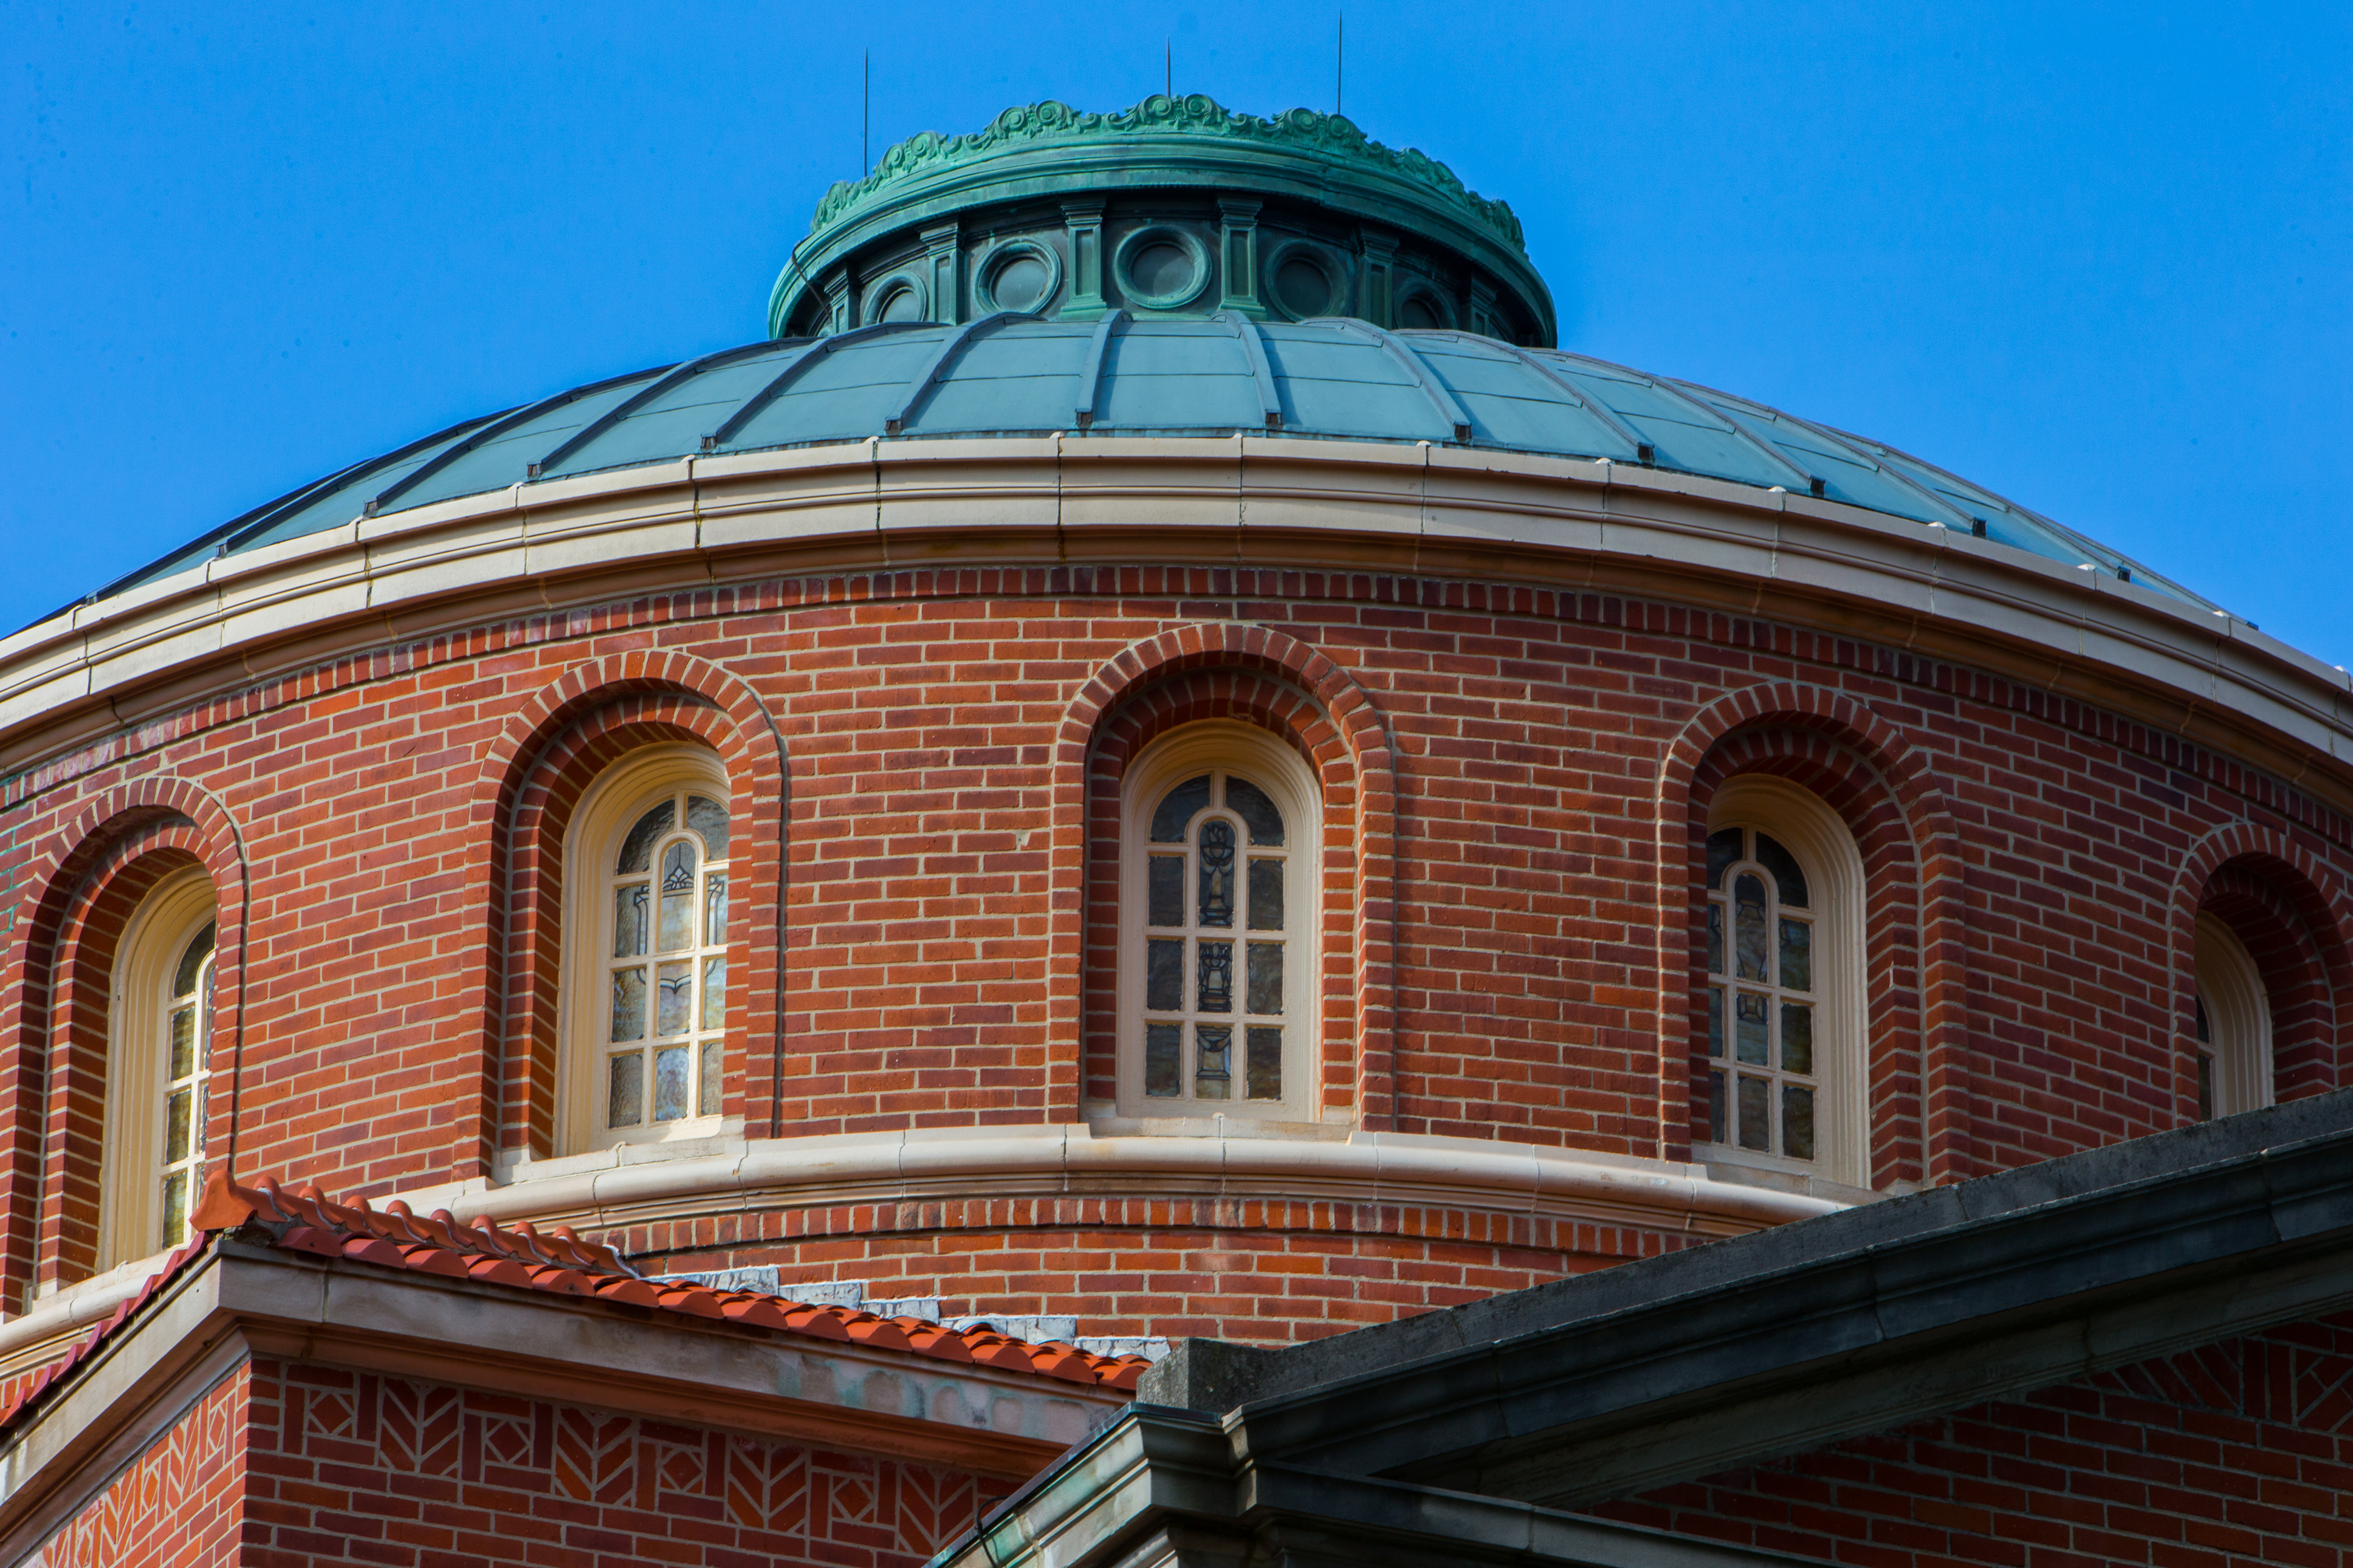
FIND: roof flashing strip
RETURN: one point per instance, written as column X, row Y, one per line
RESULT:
column 1939, row 509
column 949, row 348
column 808, row 359
column 1270, row 397
column 1585, row 399
column 1090, row 374
column 1442, row 399
column 611, row 417
column 486, row 433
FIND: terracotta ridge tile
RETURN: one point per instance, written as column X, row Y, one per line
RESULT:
column 305, row 1219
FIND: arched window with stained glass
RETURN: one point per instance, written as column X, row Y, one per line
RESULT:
column 647, row 982
column 1219, row 883
column 159, row 1073
column 1783, row 1020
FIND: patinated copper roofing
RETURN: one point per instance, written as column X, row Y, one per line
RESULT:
column 303, row 1219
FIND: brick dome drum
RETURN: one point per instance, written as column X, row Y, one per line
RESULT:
column 1157, row 761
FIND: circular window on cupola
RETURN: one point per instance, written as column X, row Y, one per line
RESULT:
column 1161, row 268
column 1304, row 280
column 1020, row 275
column 1423, row 308
column 901, row 297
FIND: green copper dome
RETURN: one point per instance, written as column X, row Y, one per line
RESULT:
column 1177, row 206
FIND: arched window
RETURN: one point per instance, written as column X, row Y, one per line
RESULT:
column 645, row 951
column 1218, row 892
column 1783, row 1083
column 2232, row 1017
column 159, row 1069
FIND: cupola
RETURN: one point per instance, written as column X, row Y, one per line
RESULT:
column 1176, row 208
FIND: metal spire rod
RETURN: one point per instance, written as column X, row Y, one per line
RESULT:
column 1167, row 67
column 1339, row 59
column 866, row 119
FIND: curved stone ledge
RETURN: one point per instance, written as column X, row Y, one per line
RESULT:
column 930, row 1166
column 1268, row 501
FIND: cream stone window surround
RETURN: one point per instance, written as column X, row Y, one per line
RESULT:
column 1223, row 751
column 615, row 802
column 2234, row 1050
column 143, row 997
column 1826, row 853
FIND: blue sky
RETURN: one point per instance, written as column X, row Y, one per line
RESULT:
column 2094, row 257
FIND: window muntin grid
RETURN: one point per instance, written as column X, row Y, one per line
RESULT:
column 1216, row 945
column 1763, row 1004
column 664, row 941
column 185, row 1072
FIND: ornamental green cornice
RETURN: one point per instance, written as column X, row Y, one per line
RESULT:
column 1329, row 137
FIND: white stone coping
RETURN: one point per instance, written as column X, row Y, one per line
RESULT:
column 622, row 1187
column 1357, row 506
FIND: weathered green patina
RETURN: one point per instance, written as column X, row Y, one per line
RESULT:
column 1051, row 151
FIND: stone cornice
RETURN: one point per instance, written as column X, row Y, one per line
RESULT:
column 1238, row 500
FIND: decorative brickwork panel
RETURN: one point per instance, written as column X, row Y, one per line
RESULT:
column 2239, row 1452
column 179, row 1505
column 353, row 1466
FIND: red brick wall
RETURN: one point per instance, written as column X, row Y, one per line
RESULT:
column 2241, row 1452
column 1266, row 1273
column 2037, row 864
column 355, row 1468
column 181, row 1504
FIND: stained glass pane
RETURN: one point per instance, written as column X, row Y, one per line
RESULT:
column 1715, row 1020
column 1756, row 1107
column 714, row 993
column 628, row 1006
column 197, row 1130
column 1716, row 939
column 1177, row 809
column 706, row 1087
column 1749, row 926
column 1266, row 895
column 669, row 1084
column 1797, row 1121
column 1164, row 974
column 175, row 1208
column 630, row 920
column 708, row 819
column 1215, row 992
column 1257, row 813
column 2204, row 1038
column 1715, row 1107
column 1263, row 1064
column 624, row 1101
column 1789, row 881
column 1211, row 1047
column 1722, row 849
column 674, row 1012
column 1164, row 883
column 638, row 848
column 1162, row 1065
column 715, row 909
column 1264, row 995
column 1216, row 905
column 175, row 1127
column 677, row 897
column 1749, row 1028
column 192, row 962
column 1796, row 1038
column 1798, row 955
column 184, row 1042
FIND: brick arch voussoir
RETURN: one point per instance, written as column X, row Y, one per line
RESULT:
column 1355, row 718
column 2302, row 881
column 54, row 884
column 532, row 775
column 1715, row 733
